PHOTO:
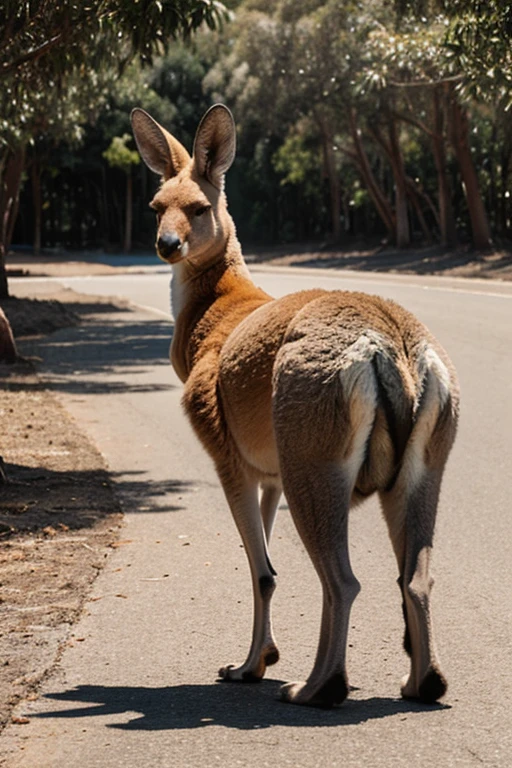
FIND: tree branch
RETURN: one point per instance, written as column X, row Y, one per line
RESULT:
column 32, row 55
column 413, row 121
column 427, row 83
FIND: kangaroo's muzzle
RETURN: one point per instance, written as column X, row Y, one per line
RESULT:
column 169, row 245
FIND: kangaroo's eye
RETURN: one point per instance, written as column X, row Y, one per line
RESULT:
column 158, row 212
column 202, row 210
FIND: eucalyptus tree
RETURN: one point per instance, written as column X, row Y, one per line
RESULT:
column 476, row 45
column 365, row 81
column 477, row 36
column 314, row 63
column 406, row 68
column 290, row 69
column 414, row 60
column 119, row 155
column 45, row 43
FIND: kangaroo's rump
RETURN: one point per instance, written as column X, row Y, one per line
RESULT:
column 349, row 360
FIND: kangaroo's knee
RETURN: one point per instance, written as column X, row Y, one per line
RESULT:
column 267, row 585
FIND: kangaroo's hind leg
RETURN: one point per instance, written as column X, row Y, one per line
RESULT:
column 322, row 446
column 252, row 521
column 410, row 509
column 319, row 499
column 411, row 514
column 270, row 495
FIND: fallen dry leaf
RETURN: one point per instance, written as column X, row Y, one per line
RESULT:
column 17, row 720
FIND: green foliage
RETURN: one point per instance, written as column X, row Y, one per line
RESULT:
column 177, row 81
column 295, row 162
column 298, row 163
column 46, row 44
column 477, row 42
column 57, row 34
column 296, row 74
column 360, row 198
column 58, row 61
column 119, row 155
column 480, row 40
column 415, row 54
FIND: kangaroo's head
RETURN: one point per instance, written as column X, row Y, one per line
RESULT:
column 193, row 222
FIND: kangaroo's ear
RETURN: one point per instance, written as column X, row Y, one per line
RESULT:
column 161, row 152
column 215, row 144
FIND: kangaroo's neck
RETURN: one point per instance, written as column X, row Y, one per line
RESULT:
column 192, row 284
column 208, row 302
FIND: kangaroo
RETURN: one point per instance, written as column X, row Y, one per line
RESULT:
column 327, row 396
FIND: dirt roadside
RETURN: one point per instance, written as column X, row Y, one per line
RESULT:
column 59, row 516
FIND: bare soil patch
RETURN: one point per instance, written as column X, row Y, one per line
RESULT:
column 59, row 516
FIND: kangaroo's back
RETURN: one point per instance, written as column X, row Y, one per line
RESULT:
column 327, row 395
column 331, row 350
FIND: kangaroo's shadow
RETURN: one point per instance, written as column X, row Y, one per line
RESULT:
column 243, row 707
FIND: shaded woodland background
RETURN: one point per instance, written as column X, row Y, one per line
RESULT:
column 357, row 121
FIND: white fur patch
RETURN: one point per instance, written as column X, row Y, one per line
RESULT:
column 440, row 371
column 360, row 386
column 436, row 392
column 363, row 349
column 356, row 371
column 179, row 293
column 184, row 249
column 359, row 377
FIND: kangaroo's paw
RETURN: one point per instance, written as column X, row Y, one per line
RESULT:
column 432, row 688
column 327, row 694
column 250, row 672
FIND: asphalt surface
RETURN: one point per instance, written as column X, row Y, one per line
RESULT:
column 136, row 686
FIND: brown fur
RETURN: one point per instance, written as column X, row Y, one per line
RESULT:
column 327, row 395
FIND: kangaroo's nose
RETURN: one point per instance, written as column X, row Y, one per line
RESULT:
column 168, row 243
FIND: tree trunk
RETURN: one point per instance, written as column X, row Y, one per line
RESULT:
column 460, row 140
column 446, row 213
column 414, row 196
column 504, row 163
column 4, row 285
column 333, row 179
column 129, row 209
column 8, row 351
column 380, row 201
column 38, row 205
column 504, row 223
column 403, row 232
column 19, row 165
column 394, row 153
column 104, row 208
column 10, row 183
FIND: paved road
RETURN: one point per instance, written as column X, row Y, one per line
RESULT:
column 173, row 603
